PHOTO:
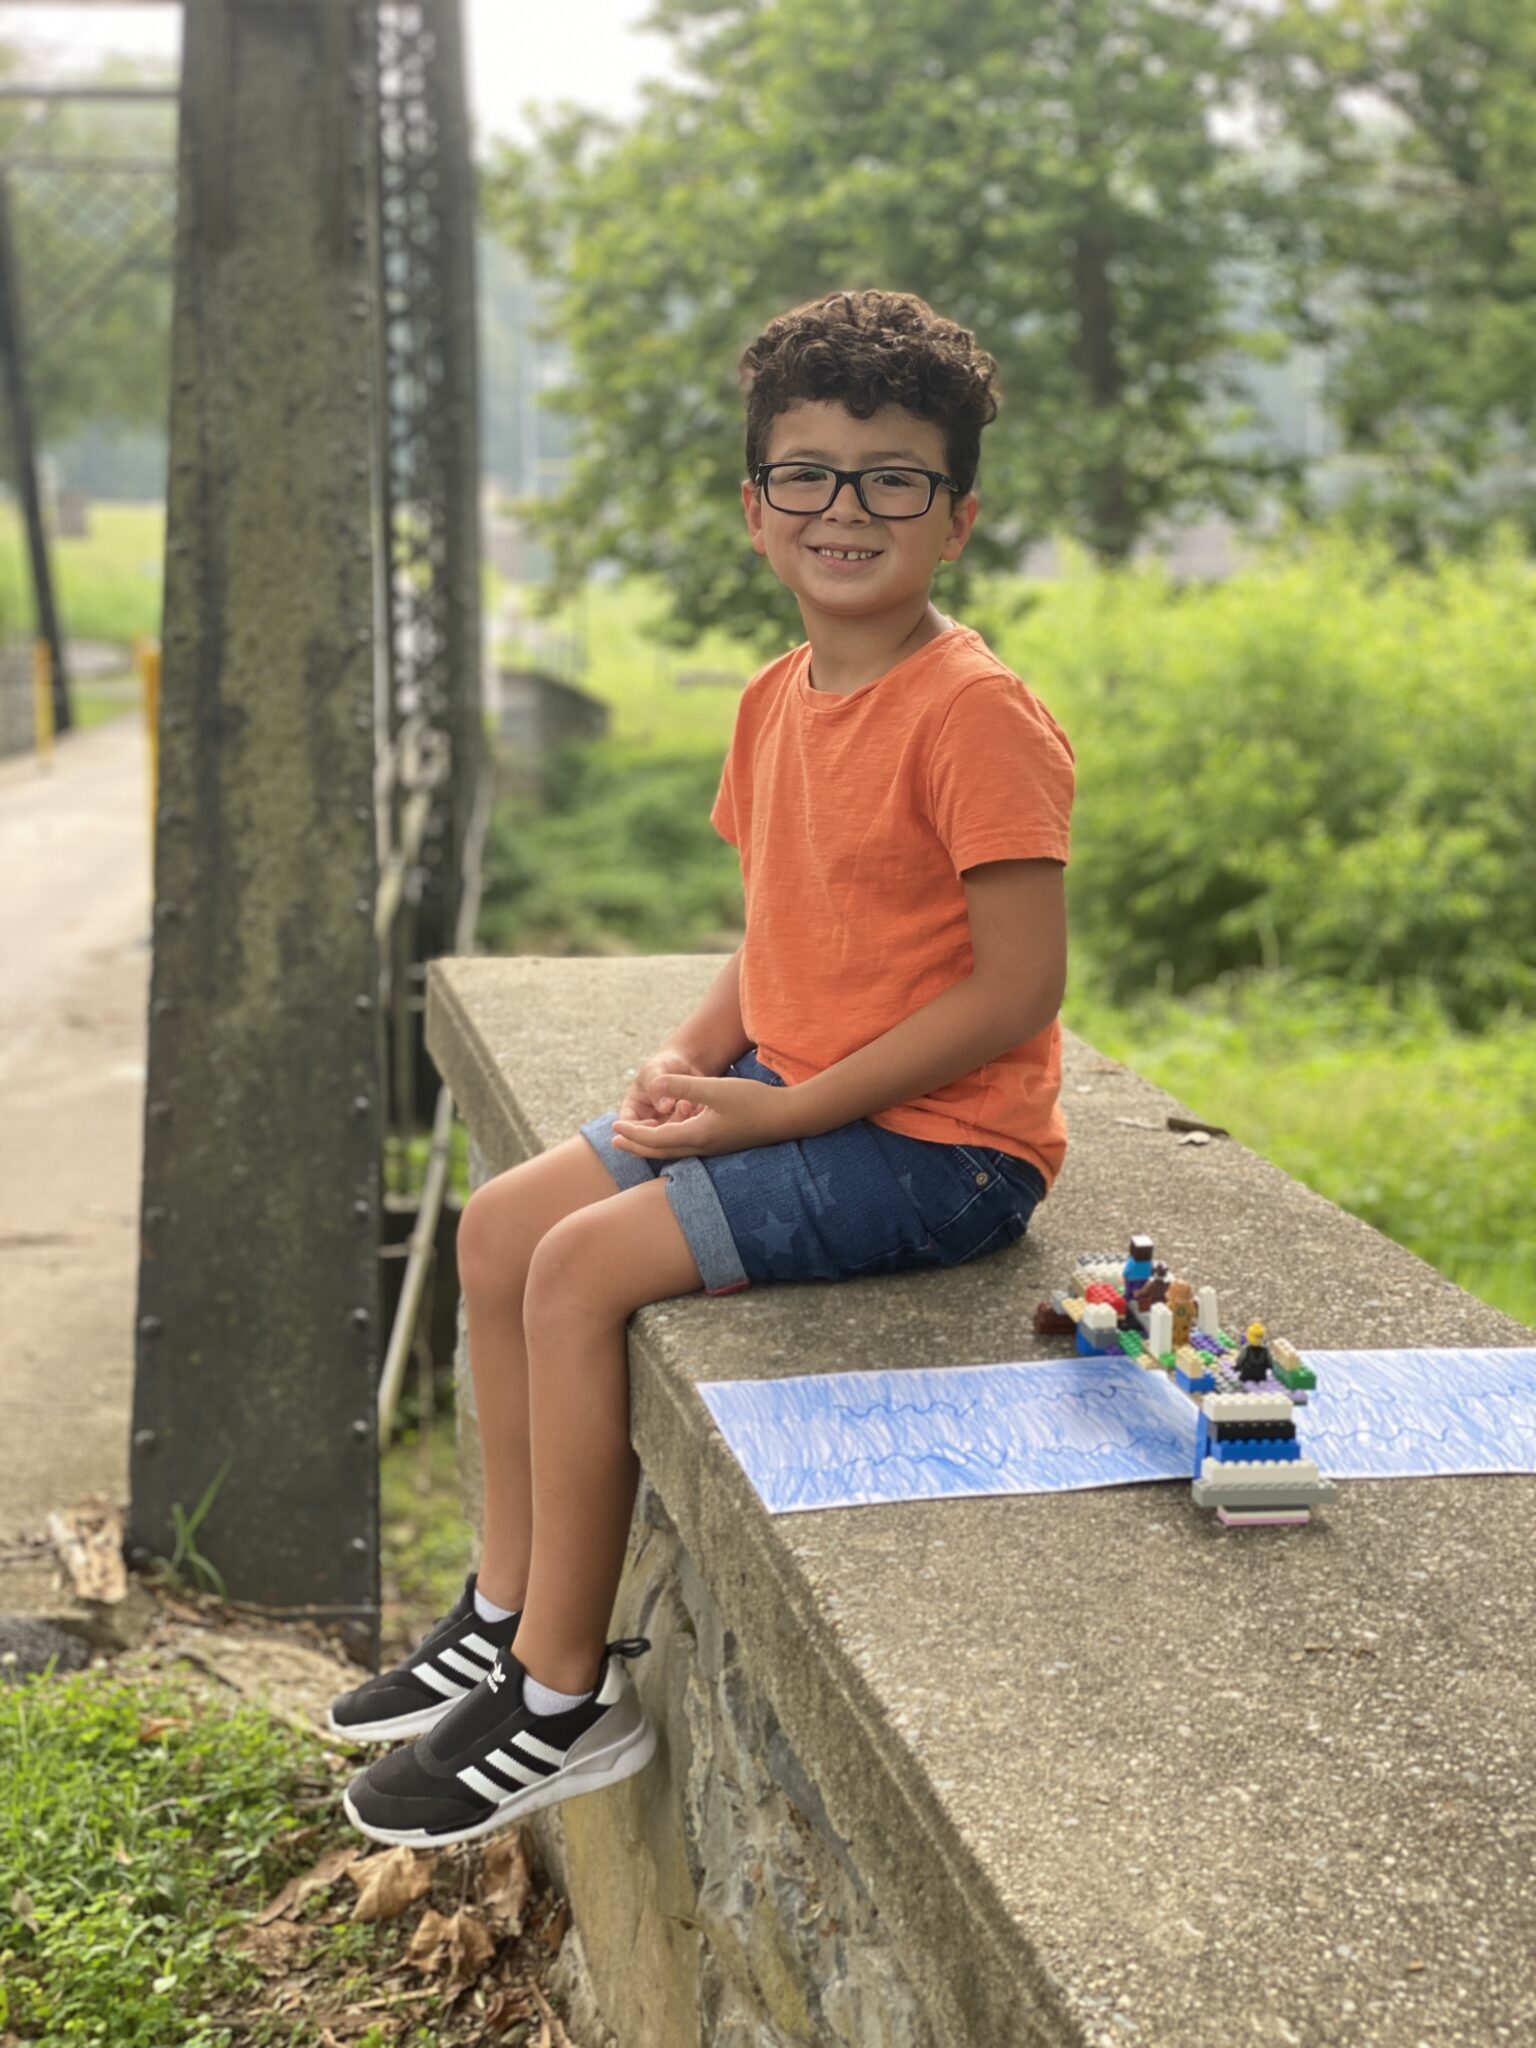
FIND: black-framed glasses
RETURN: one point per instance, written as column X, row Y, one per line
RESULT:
column 892, row 492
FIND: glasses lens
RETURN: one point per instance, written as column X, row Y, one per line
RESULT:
column 889, row 493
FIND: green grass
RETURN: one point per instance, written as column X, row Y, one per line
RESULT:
column 140, row 1829
column 146, row 1822
column 1386, row 1109
column 107, row 585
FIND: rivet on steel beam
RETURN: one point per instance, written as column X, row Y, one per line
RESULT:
column 364, row 633
column 162, row 1006
column 150, row 1326
column 362, row 1428
column 362, row 813
column 172, row 814
column 362, row 720
column 359, row 1318
column 361, row 1104
column 144, row 1439
column 364, row 1002
column 154, row 1217
column 361, row 1545
column 159, row 1111
column 363, row 907
column 362, row 1208
column 166, row 910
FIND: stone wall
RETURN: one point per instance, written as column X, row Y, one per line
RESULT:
column 719, row 1858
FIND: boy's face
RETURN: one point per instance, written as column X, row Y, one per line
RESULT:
column 907, row 550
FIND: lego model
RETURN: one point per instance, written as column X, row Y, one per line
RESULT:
column 1248, row 1463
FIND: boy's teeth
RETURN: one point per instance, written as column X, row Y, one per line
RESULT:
column 849, row 554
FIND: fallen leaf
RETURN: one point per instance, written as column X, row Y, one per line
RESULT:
column 298, row 1889
column 88, row 1535
column 276, row 1948
column 555, row 1926
column 551, row 2034
column 507, row 2009
column 459, row 1944
column 502, row 1891
column 389, row 1883
column 153, row 1726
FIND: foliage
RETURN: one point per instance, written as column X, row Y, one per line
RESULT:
column 1046, row 171
column 131, row 1835
column 1318, row 764
column 73, row 234
column 622, row 858
column 1411, row 244
column 1381, row 1105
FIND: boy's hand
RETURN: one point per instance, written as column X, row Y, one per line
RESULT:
column 728, row 1115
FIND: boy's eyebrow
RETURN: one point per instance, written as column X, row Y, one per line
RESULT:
column 873, row 455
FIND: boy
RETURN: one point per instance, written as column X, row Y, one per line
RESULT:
column 870, row 1085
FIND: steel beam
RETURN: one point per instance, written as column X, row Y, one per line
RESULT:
column 258, row 1314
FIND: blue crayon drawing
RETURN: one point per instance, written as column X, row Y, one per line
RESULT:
column 851, row 1439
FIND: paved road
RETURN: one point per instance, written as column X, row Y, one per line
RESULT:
column 74, row 991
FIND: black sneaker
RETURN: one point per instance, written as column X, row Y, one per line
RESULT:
column 449, row 1661
column 491, row 1759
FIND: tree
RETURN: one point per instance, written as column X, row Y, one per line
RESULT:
column 71, row 232
column 1047, row 172
column 1414, row 249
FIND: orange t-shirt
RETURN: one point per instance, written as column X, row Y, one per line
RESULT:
column 854, row 817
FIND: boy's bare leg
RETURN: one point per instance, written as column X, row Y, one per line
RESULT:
column 587, row 1277
column 499, row 1231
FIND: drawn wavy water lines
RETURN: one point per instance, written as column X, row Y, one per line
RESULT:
column 851, row 1439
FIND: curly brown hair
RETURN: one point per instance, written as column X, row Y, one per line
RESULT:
column 867, row 349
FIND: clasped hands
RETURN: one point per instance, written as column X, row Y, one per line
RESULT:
column 726, row 1115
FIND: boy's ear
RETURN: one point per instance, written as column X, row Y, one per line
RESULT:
column 752, row 506
column 965, row 515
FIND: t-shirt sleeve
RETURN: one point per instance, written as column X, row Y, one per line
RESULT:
column 723, row 815
column 1001, row 776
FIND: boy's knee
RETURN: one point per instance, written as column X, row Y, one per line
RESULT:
column 486, row 1239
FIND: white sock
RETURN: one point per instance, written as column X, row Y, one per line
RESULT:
column 545, row 1700
column 488, row 1610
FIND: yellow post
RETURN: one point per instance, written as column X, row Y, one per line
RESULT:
column 147, row 657
column 42, row 701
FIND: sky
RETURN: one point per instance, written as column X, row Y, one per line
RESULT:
column 589, row 51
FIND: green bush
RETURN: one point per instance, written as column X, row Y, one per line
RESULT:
column 1325, row 764
column 621, row 857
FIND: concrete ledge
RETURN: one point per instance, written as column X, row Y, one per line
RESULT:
column 1107, row 1772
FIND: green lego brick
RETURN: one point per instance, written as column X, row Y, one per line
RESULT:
column 1131, row 1344
column 1299, row 1376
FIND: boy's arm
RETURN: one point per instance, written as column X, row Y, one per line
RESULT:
column 1017, row 912
column 713, row 1035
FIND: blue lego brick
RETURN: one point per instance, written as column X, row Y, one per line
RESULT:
column 1205, row 1384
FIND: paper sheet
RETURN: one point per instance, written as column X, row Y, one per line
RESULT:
column 825, row 1440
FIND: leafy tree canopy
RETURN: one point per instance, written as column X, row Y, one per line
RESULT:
column 1048, row 172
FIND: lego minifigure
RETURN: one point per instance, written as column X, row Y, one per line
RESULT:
column 1253, row 1362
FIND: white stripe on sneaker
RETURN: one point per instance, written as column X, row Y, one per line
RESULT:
column 483, row 1785
column 450, row 1688
column 535, row 1747
column 456, row 1661
column 478, row 1647
column 516, row 1768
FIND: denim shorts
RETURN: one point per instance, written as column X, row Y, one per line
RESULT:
column 860, row 1199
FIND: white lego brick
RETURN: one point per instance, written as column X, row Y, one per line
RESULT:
column 1249, row 1407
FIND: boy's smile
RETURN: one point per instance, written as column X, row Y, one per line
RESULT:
column 861, row 616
